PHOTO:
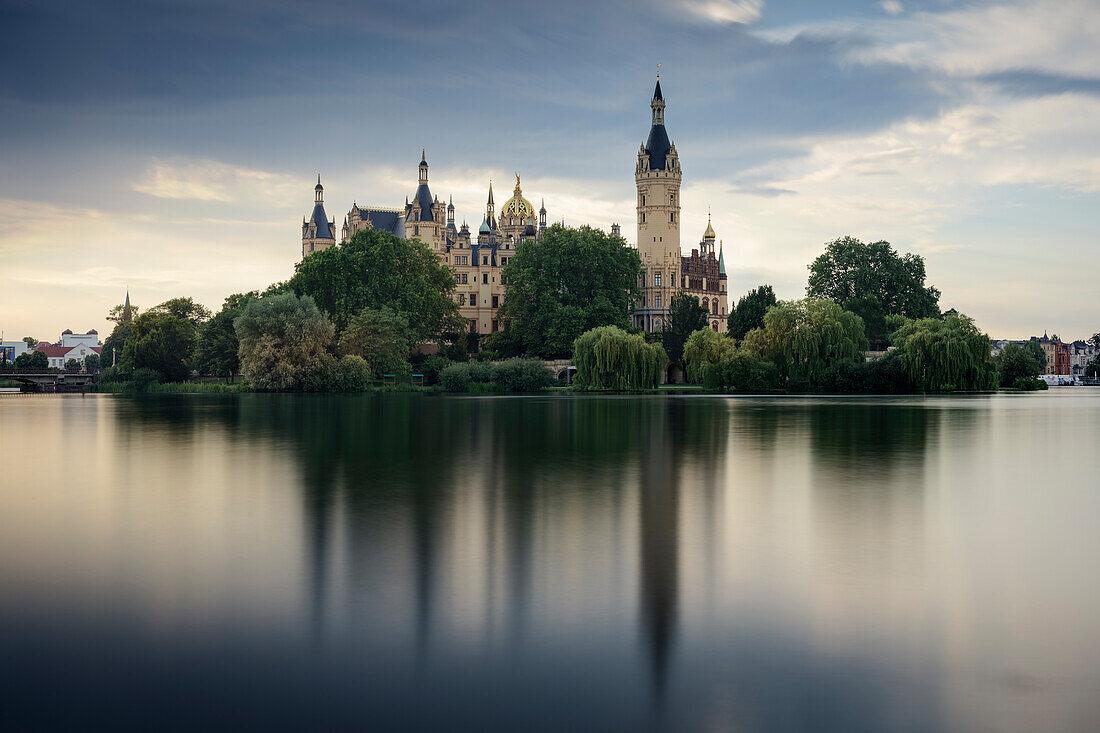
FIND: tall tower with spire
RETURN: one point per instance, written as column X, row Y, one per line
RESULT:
column 319, row 232
column 425, row 215
column 657, row 176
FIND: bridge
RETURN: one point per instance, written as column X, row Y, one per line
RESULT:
column 50, row 380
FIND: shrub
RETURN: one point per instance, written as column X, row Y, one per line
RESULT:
column 887, row 375
column 432, row 367
column 522, row 375
column 353, row 374
column 610, row 358
column 1030, row 384
column 741, row 371
column 456, row 377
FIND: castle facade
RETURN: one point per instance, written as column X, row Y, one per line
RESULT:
column 477, row 261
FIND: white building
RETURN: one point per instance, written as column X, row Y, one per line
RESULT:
column 11, row 349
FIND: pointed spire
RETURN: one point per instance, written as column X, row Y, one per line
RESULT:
column 491, row 190
column 423, row 156
column 721, row 259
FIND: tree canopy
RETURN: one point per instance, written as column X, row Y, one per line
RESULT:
column 704, row 346
column 946, row 354
column 284, row 341
column 162, row 342
column 853, row 273
column 608, row 357
column 565, row 283
column 375, row 269
column 1017, row 362
column 381, row 337
column 749, row 311
column 218, row 346
column 806, row 337
column 685, row 316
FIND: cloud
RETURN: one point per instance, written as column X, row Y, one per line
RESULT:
column 725, row 12
column 893, row 7
column 210, row 180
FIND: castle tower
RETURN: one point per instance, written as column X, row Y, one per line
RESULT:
column 706, row 247
column 319, row 232
column 657, row 176
column 542, row 217
column 425, row 216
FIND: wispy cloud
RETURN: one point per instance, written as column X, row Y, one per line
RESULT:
column 893, row 7
column 211, row 180
column 725, row 12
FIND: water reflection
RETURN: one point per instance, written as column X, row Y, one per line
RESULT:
column 551, row 562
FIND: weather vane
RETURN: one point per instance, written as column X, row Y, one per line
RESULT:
column 658, row 71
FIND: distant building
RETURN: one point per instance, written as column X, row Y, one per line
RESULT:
column 11, row 349
column 70, row 346
column 1080, row 354
column 319, row 232
column 1056, row 353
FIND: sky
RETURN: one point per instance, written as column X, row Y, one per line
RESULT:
column 171, row 147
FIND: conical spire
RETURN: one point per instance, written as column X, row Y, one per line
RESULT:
column 491, row 190
column 721, row 259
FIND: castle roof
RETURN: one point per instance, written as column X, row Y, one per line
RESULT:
column 387, row 221
column 721, row 260
column 321, row 220
column 422, row 206
column 657, row 91
column 657, row 147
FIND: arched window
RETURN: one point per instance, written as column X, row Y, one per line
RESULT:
column 714, row 306
column 706, row 304
column 714, row 325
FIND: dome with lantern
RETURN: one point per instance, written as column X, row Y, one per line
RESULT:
column 517, row 209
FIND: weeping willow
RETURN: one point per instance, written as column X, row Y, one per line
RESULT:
column 806, row 337
column 948, row 354
column 610, row 358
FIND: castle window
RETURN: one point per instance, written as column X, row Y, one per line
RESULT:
column 672, row 199
column 657, row 280
column 672, row 217
column 462, row 299
column 416, row 230
column 643, row 204
column 657, row 301
column 473, row 325
column 496, row 301
column 714, row 306
column 484, row 259
column 484, row 278
column 714, row 325
column 473, row 298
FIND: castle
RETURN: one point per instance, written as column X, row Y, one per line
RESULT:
column 477, row 262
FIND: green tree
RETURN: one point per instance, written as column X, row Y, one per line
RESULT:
column 116, row 342
column 704, row 346
column 1019, row 362
column 853, row 273
column 608, row 357
column 73, row 365
column 122, row 314
column 566, row 283
column 32, row 360
column 806, row 337
column 686, row 315
column 284, row 341
column 218, row 347
column 1092, row 369
column 185, row 308
column 946, row 354
column 749, row 311
column 92, row 362
column 162, row 342
column 376, row 269
column 381, row 337
column 30, row 341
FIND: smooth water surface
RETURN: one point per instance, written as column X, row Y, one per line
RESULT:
column 391, row 562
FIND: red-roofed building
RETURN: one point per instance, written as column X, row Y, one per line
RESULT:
column 59, row 355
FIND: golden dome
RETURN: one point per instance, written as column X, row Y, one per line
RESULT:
column 517, row 208
column 709, row 233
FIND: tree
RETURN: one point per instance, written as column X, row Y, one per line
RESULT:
column 116, row 342
column 185, row 308
column 162, row 342
column 122, row 313
column 32, row 360
column 284, row 341
column 218, row 347
column 608, row 357
column 1019, row 362
column 749, row 311
column 686, row 315
column 704, row 346
column 851, row 272
column 92, row 362
column 73, row 365
column 381, row 337
column 1092, row 369
column 30, row 341
column 948, row 354
column 375, row 268
column 806, row 337
column 1094, row 341
column 566, row 283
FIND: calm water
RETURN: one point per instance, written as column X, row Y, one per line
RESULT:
column 395, row 562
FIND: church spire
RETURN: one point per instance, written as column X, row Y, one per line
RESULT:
column 657, row 104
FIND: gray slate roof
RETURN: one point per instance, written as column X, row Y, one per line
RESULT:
column 324, row 231
column 387, row 221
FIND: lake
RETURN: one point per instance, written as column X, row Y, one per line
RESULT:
column 397, row 562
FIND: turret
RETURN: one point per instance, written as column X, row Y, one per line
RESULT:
column 542, row 216
column 319, row 232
